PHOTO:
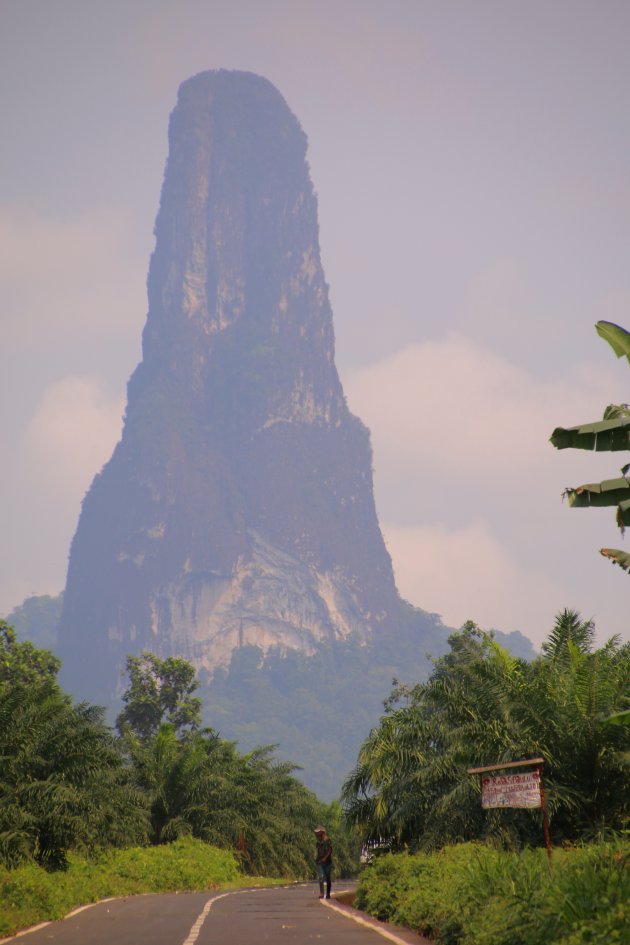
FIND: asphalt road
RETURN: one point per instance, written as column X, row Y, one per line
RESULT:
column 291, row 915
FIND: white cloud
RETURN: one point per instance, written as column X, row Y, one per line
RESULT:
column 467, row 573
column 73, row 303
column 71, row 435
column 468, row 487
column 456, row 407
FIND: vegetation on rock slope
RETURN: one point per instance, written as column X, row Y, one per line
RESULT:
column 317, row 709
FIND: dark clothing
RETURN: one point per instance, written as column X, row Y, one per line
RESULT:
column 323, row 875
column 324, row 851
column 324, row 865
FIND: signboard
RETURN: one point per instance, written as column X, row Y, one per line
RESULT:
column 511, row 790
column 514, row 790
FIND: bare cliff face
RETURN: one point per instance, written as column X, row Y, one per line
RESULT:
column 238, row 507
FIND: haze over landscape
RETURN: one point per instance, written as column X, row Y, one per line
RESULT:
column 470, row 165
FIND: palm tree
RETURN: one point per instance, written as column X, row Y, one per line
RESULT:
column 482, row 706
column 62, row 780
column 198, row 784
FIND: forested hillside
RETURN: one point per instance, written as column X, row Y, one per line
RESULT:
column 36, row 619
column 318, row 709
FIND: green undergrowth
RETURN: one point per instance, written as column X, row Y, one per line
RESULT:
column 30, row 894
column 472, row 894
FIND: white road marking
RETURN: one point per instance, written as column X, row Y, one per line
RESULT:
column 89, row 906
column 193, row 935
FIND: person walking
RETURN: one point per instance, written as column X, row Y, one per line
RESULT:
column 323, row 860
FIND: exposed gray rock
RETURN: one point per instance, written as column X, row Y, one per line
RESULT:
column 238, row 507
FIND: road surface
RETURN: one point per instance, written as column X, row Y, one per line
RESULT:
column 289, row 915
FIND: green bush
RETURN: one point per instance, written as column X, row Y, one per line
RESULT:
column 590, row 898
column 472, row 894
column 185, row 864
column 30, row 894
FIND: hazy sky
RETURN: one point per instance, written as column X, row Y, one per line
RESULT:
column 472, row 164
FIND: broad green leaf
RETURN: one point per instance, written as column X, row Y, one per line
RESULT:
column 608, row 435
column 609, row 492
column 622, row 558
column 619, row 718
column 618, row 338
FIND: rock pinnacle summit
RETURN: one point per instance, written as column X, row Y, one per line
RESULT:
column 238, row 506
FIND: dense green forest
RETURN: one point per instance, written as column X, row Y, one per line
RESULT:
column 69, row 782
column 482, row 706
column 81, row 799
column 467, row 876
column 317, row 708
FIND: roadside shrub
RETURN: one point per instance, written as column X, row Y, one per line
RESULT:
column 31, row 894
column 186, row 864
column 589, row 900
column 472, row 894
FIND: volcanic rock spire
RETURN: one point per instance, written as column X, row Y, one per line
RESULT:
column 238, row 506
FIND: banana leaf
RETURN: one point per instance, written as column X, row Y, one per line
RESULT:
column 608, row 492
column 618, row 338
column 608, row 435
column 622, row 558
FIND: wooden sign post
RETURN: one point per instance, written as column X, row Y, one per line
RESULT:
column 515, row 789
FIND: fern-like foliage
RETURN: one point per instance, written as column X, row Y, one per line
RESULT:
column 63, row 784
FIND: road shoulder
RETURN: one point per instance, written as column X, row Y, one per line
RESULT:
column 393, row 933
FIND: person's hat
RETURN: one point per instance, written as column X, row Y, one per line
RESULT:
column 319, row 829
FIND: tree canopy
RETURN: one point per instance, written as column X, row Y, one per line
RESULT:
column 68, row 782
column 159, row 691
column 62, row 781
column 482, row 706
column 23, row 663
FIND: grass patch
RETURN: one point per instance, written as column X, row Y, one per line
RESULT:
column 29, row 894
column 472, row 894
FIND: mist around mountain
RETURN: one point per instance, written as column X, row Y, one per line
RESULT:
column 319, row 709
